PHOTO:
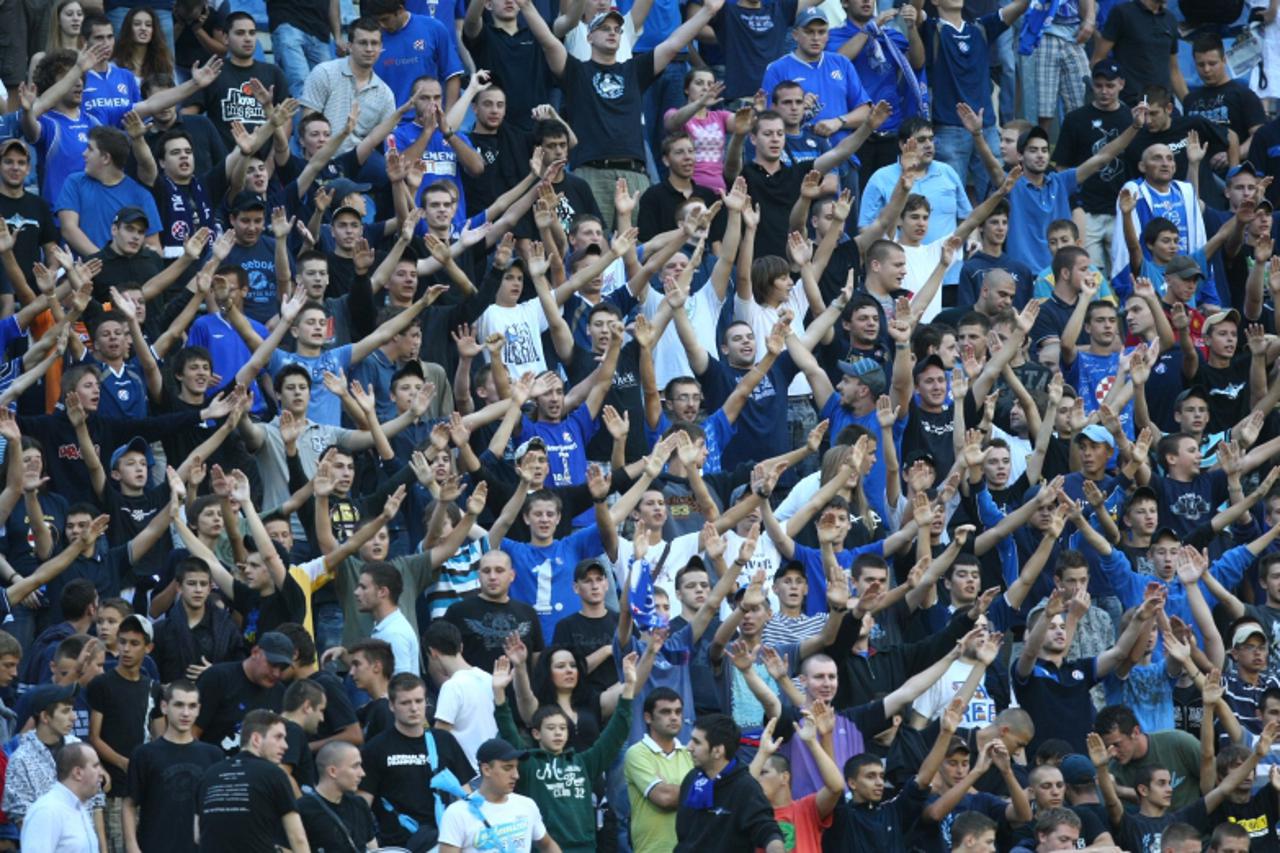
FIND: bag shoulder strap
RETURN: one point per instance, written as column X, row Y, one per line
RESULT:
column 311, row 792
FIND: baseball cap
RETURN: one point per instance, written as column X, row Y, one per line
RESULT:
column 584, row 566
column 1098, row 434
column 868, row 371
column 137, row 444
column 12, row 142
column 1036, row 132
column 1246, row 166
column 920, row 455
column 343, row 187
column 534, row 443
column 141, row 623
column 957, row 744
column 497, row 749
column 1245, row 631
column 791, row 566
column 131, row 214
column 1214, row 319
column 589, row 249
column 598, row 20
column 49, row 694
column 409, row 368
column 277, row 647
column 928, row 361
column 808, row 16
column 1077, row 769
column 1164, row 533
column 1183, row 266
column 1108, row 70
column 247, row 201
column 1141, row 493
column 346, row 208
column 1193, row 391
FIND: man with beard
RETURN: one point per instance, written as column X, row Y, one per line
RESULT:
column 1043, row 195
column 238, row 686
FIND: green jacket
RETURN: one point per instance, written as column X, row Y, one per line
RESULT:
column 562, row 784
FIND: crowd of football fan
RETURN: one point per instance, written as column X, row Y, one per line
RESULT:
column 715, row 426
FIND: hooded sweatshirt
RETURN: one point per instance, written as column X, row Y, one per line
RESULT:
column 561, row 784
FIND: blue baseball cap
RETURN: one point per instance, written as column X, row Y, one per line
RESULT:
column 137, row 444
column 1098, row 434
column 808, row 16
column 868, row 371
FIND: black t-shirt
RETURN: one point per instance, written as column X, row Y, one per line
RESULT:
column 310, row 16
column 574, row 199
column 396, row 770
column 127, row 708
column 163, row 780
column 263, row 613
column 485, row 625
column 1257, row 816
column 624, row 395
column 242, row 801
column 506, row 162
column 298, row 755
column 586, row 634
column 518, row 65
column 321, row 822
column 1143, row 43
column 1231, row 106
column 375, row 718
column 226, row 695
column 1176, row 138
column 227, row 99
column 130, row 515
column 659, row 204
column 30, row 221
column 1139, row 832
column 119, row 270
column 1085, row 132
column 775, row 194
column 187, row 49
column 1228, row 389
column 931, row 431
column 338, row 711
column 602, row 104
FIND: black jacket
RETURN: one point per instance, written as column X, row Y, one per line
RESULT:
column 741, row 818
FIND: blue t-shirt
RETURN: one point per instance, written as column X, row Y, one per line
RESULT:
column 811, row 559
column 108, row 96
column 1148, row 690
column 762, row 430
column 423, row 46
column 1031, row 209
column 752, row 38
column 442, row 163
column 874, row 483
column 124, row 394
column 544, row 576
column 832, row 78
column 228, row 349
column 444, row 11
column 664, row 18
column 1092, row 376
column 98, row 203
column 324, row 408
column 566, row 444
column 957, row 62
column 262, row 302
column 61, row 148
column 717, row 430
column 877, row 72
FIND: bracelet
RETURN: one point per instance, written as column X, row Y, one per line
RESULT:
column 448, row 136
column 901, row 346
column 598, row 501
column 739, row 564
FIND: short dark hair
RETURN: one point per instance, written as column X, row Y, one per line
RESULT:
column 1154, row 228
column 854, row 765
column 1224, row 832
column 1143, row 774
column 379, row 652
column 114, row 143
column 443, row 636
column 1066, row 258
column 72, row 756
column 184, row 685
column 188, row 354
column 364, row 23
column 969, row 824
column 549, row 128
column 660, row 694
column 258, row 722
column 403, row 682
column 76, row 598
column 170, row 135
column 543, row 494
column 302, row 692
column 720, row 730
column 1051, row 819
column 910, row 127
column 1115, row 718
column 1179, row 833
column 304, row 645
column 291, row 370
column 544, row 713
column 766, row 115
column 385, row 576
column 191, row 565
column 235, row 16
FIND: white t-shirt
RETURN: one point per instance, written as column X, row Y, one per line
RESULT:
column 766, row 557
column 1019, row 450
column 522, row 326
column 703, row 310
column 575, row 41
column 981, row 709
column 921, row 262
column 683, row 548
column 761, row 320
column 466, row 703
column 396, row 630
column 513, row 826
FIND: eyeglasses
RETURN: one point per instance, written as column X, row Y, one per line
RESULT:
column 687, row 398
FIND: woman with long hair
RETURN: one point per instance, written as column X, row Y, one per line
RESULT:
column 140, row 46
column 65, row 31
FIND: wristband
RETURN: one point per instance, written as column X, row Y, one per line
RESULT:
column 598, row 501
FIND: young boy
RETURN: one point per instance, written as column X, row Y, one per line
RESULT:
column 1063, row 233
column 993, row 231
column 556, row 777
column 192, row 616
column 123, row 704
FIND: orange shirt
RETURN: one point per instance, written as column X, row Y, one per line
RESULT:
column 801, row 825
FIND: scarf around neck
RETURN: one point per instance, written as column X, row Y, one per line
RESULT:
column 702, row 792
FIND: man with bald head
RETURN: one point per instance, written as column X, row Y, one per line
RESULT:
column 995, row 296
column 1165, row 127
column 1160, row 194
column 339, row 769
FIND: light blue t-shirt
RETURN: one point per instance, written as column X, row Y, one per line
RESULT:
column 943, row 188
column 98, row 204
column 324, row 408
column 544, row 576
column 1031, row 209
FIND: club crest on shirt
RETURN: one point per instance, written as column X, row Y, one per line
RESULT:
column 608, row 86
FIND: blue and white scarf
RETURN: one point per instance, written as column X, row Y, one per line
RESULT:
column 702, row 792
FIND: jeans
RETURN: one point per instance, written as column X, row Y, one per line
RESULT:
column 164, row 17
column 954, row 146
column 327, row 621
column 1007, row 59
column 297, row 52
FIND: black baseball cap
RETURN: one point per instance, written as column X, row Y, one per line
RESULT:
column 247, row 201
column 1108, row 70
column 131, row 214
column 1036, row 132
column 584, row 566
column 497, row 749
